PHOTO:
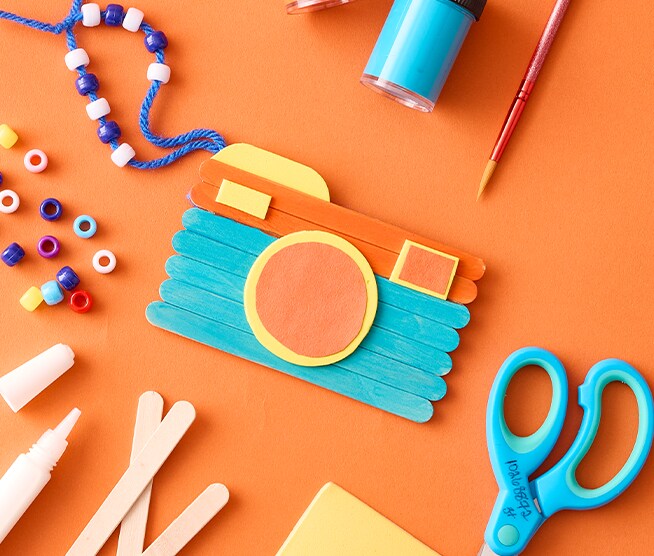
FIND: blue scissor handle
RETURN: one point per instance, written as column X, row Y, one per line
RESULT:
column 515, row 517
column 558, row 489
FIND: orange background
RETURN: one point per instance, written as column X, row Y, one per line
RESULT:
column 566, row 231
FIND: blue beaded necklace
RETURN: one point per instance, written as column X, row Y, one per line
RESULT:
column 87, row 84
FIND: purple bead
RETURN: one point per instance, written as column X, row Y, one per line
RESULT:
column 0, row 178
column 114, row 15
column 86, row 84
column 155, row 41
column 108, row 132
column 68, row 278
column 13, row 254
column 48, row 247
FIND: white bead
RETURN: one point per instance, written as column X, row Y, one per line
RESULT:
column 159, row 72
column 98, row 108
column 35, row 167
column 133, row 20
column 104, row 254
column 11, row 207
column 76, row 58
column 91, row 15
column 122, row 155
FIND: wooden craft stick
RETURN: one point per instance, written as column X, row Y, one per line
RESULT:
column 132, row 528
column 246, row 346
column 383, row 342
column 134, row 481
column 334, row 216
column 190, row 522
column 371, row 365
column 279, row 223
column 254, row 241
column 388, row 317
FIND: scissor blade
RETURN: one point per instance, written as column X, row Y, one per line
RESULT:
column 486, row 551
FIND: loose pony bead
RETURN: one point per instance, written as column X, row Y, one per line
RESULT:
column 52, row 292
column 91, row 16
column 159, row 72
column 13, row 254
column 68, row 278
column 15, row 201
column 85, row 226
column 122, row 155
column 35, row 161
column 155, row 41
column 81, row 301
column 98, row 108
column 8, row 136
column 104, row 268
column 87, row 83
column 109, row 131
column 48, row 247
column 113, row 15
column 76, row 58
column 31, row 299
column 133, row 20
column 51, row 210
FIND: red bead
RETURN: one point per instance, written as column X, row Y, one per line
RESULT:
column 81, row 301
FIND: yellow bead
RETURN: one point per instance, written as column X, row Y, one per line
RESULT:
column 31, row 299
column 8, row 136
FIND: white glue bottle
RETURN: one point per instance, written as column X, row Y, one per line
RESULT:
column 29, row 474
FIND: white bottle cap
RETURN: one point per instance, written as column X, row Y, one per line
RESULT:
column 22, row 385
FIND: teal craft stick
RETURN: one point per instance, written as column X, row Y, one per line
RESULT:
column 226, row 231
column 421, row 330
column 383, row 342
column 363, row 362
column 450, row 314
column 236, row 342
column 389, row 318
column 250, row 240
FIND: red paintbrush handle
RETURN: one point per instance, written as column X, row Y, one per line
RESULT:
column 526, row 87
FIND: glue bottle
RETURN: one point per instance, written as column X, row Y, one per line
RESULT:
column 29, row 474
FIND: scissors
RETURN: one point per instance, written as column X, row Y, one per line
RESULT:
column 522, row 506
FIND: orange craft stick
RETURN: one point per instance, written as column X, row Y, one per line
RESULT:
column 279, row 224
column 334, row 217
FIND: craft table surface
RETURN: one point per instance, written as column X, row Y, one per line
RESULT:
column 565, row 227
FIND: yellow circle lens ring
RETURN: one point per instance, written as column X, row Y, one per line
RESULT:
column 310, row 298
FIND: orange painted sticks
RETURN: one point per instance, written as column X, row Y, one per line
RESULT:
column 336, row 218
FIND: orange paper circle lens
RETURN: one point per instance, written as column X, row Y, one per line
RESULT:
column 310, row 298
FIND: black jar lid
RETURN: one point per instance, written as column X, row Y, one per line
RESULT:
column 475, row 7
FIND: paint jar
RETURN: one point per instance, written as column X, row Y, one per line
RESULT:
column 304, row 6
column 417, row 48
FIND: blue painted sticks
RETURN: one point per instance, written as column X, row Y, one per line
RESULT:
column 253, row 241
column 378, row 340
column 364, row 362
column 397, row 367
column 390, row 318
column 236, row 342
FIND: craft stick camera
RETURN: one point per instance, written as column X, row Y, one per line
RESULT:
column 268, row 269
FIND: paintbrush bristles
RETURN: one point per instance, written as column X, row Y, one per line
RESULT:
column 488, row 173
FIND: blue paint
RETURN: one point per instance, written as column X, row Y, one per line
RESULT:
column 417, row 48
column 389, row 318
column 515, row 517
column 236, row 342
column 253, row 241
column 363, row 362
column 393, row 346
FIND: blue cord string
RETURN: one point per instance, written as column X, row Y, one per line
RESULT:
column 183, row 144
